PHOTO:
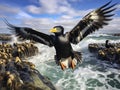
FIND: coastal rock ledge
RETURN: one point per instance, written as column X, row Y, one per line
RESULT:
column 16, row 72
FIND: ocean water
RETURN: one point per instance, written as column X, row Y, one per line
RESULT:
column 92, row 74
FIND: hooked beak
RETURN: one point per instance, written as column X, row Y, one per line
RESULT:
column 53, row 30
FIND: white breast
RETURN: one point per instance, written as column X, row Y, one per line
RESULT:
column 63, row 38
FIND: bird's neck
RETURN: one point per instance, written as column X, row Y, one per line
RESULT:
column 58, row 34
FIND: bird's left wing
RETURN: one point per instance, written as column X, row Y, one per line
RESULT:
column 30, row 34
column 93, row 21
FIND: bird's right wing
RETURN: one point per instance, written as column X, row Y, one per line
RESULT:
column 93, row 21
column 30, row 34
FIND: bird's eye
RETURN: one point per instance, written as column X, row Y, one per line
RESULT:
column 58, row 29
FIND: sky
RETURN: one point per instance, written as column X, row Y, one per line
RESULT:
column 42, row 15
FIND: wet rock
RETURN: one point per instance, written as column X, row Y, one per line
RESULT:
column 18, row 74
column 5, row 37
column 111, row 54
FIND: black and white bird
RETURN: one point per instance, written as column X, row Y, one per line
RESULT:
column 65, row 56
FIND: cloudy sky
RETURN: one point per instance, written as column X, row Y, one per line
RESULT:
column 42, row 15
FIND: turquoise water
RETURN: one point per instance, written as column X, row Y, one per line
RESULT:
column 92, row 74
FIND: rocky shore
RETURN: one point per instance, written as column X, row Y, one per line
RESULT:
column 17, row 73
column 5, row 37
column 111, row 54
column 115, row 34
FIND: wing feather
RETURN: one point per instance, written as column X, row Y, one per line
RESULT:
column 93, row 21
column 30, row 34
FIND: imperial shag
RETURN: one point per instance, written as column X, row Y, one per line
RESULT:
column 65, row 56
column 108, row 45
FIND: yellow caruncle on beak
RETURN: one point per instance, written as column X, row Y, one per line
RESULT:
column 53, row 30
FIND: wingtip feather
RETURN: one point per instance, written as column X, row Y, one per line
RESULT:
column 105, row 4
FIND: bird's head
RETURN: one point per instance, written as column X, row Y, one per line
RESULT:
column 58, row 30
column 107, row 41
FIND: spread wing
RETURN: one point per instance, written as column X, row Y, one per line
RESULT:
column 93, row 21
column 30, row 34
